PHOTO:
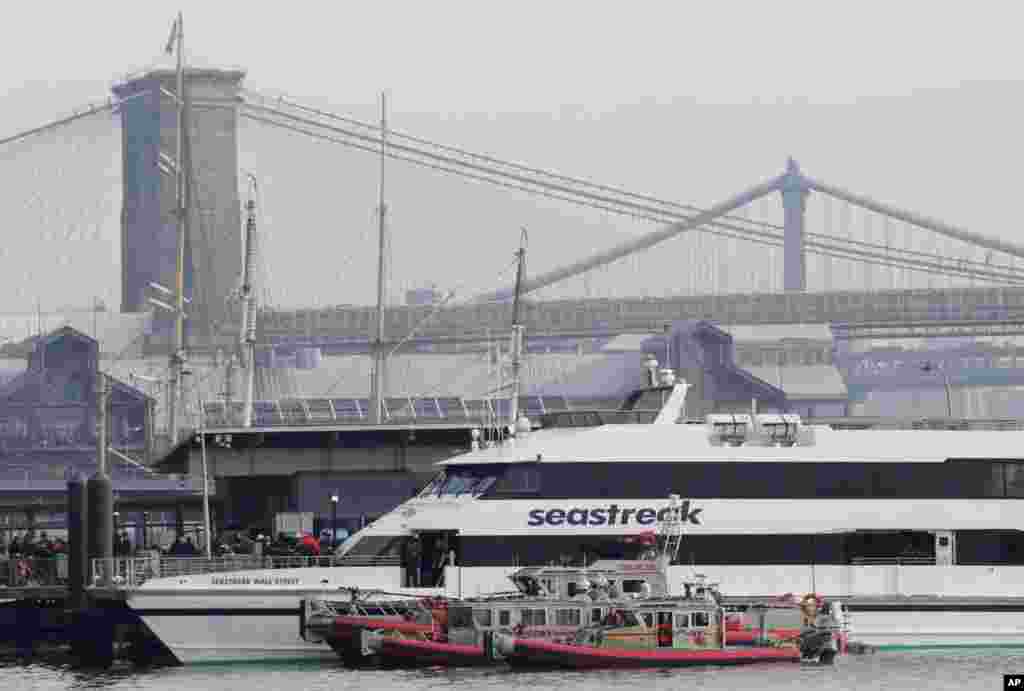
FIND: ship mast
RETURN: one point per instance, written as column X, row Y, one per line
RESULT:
column 181, row 202
column 517, row 332
column 377, row 389
column 249, row 305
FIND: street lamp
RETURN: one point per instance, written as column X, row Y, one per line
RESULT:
column 931, row 367
column 334, row 519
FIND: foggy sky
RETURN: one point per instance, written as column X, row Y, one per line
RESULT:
column 914, row 103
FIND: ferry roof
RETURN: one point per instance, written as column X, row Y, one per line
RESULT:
column 683, row 443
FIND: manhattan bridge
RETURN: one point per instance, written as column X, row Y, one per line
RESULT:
column 795, row 291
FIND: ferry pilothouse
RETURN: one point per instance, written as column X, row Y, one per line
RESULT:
column 919, row 531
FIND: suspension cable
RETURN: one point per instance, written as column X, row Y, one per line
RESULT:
column 645, row 213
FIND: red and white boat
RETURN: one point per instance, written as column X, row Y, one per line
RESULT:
column 673, row 633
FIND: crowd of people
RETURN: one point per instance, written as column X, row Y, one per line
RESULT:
column 33, row 559
column 39, row 559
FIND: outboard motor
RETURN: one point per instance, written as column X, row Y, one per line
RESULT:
column 817, row 645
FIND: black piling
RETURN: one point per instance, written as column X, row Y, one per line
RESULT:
column 100, row 524
column 78, row 542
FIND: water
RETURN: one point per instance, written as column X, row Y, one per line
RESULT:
column 933, row 670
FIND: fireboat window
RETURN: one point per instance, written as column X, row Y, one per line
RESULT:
column 534, row 617
column 567, row 617
column 633, row 585
column 528, row 585
column 460, row 618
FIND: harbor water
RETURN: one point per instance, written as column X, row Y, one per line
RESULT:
column 931, row 669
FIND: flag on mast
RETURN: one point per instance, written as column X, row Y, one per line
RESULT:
column 175, row 28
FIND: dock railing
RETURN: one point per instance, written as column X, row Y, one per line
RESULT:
column 21, row 572
column 131, row 572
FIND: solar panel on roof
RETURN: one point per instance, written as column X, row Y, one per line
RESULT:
column 319, row 409
column 426, row 407
column 452, row 408
column 398, row 407
column 346, row 408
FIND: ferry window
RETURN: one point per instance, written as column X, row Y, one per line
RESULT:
column 595, row 616
column 648, row 618
column 682, row 621
column 1014, row 479
column 977, row 478
column 567, row 617
column 504, row 617
column 482, row 617
column 456, row 482
column 631, row 619
column 520, row 478
column 378, row 546
column 434, row 486
column 700, row 619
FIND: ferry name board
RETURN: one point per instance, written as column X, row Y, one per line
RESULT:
column 613, row 514
column 254, row 580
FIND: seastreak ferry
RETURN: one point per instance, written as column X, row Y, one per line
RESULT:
column 918, row 531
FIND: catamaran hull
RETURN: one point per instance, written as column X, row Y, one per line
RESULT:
column 202, row 629
column 225, row 617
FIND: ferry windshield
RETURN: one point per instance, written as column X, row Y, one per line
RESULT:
column 457, row 482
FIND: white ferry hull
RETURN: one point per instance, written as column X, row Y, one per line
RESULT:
column 934, row 629
column 244, row 616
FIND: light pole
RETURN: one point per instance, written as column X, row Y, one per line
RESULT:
column 930, row 367
column 334, row 520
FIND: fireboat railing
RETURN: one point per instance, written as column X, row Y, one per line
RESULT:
column 131, row 572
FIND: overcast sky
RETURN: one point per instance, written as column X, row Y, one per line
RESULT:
column 917, row 103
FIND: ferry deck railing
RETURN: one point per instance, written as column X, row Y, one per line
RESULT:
column 893, row 561
column 132, row 572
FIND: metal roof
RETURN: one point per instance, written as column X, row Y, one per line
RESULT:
column 690, row 443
